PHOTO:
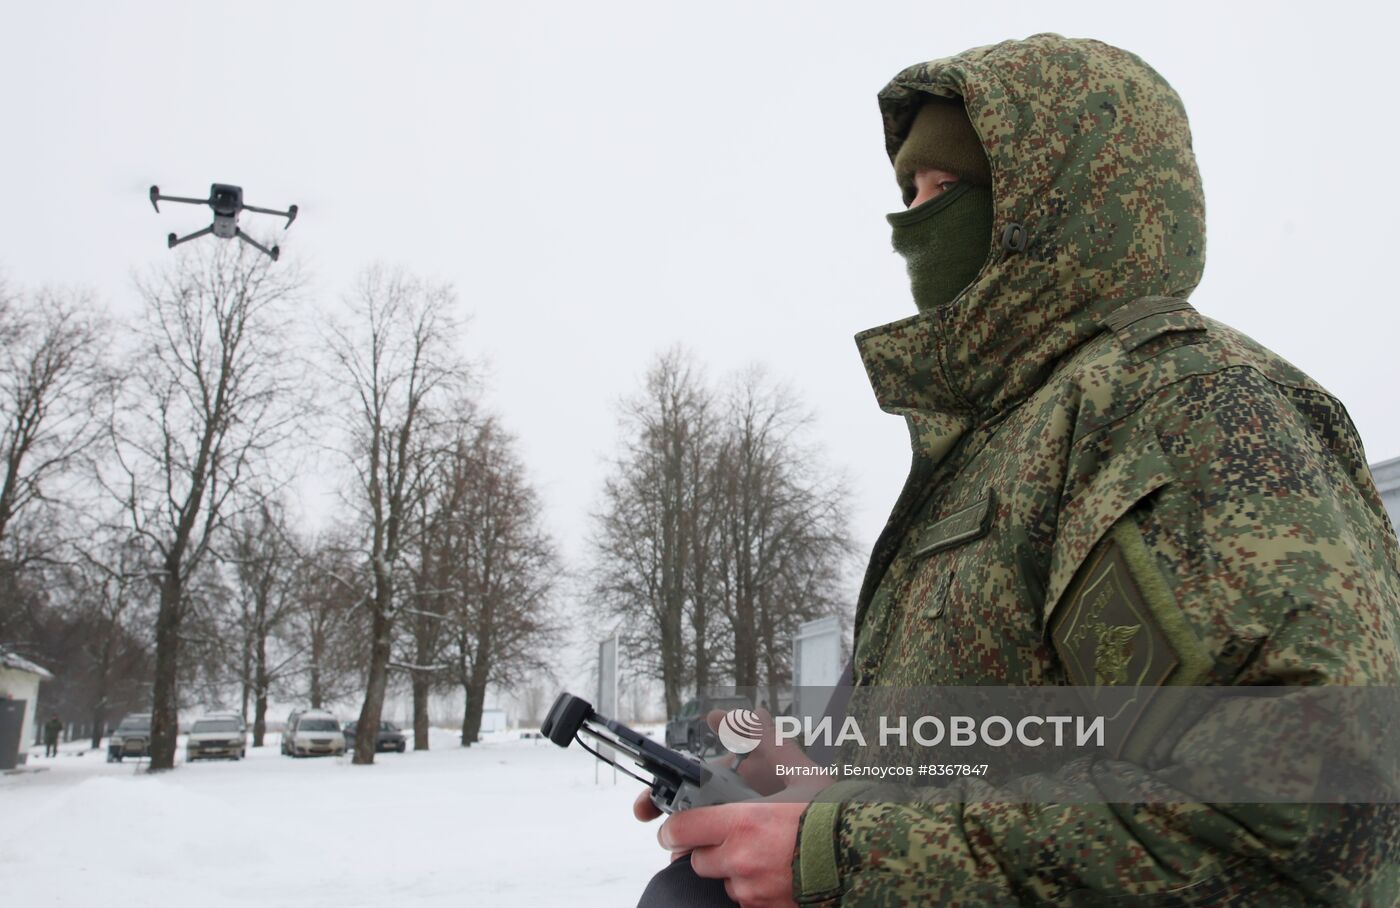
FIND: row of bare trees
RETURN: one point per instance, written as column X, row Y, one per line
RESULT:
column 149, row 553
column 719, row 531
column 145, row 546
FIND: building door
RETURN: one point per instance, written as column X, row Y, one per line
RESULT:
column 11, row 723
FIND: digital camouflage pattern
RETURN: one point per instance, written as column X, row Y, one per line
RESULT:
column 1072, row 387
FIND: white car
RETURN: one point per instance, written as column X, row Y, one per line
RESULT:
column 217, row 736
column 312, row 732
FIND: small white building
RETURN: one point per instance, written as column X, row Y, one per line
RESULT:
column 19, row 683
column 494, row 720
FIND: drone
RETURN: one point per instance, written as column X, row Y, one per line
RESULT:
column 227, row 203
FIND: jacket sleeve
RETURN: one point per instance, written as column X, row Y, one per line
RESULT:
column 1269, row 540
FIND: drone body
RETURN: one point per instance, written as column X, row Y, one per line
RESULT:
column 226, row 201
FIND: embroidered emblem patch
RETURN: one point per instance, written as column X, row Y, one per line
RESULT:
column 1105, row 631
column 1113, row 650
column 1118, row 625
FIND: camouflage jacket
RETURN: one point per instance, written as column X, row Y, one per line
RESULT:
column 1071, row 413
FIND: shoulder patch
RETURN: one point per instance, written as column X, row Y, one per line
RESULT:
column 1140, row 321
column 1119, row 625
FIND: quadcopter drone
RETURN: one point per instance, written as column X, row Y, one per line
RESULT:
column 227, row 203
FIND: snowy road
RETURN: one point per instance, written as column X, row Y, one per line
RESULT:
column 502, row 824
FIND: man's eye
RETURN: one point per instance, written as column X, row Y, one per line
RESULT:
column 945, row 185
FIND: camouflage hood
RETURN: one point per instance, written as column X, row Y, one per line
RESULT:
column 1097, row 202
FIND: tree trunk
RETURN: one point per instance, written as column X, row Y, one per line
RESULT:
column 420, row 711
column 318, row 647
column 772, row 669
column 99, row 721
column 745, row 643
column 99, row 703
column 165, row 706
column 367, row 729
column 672, row 663
column 698, row 623
column 246, row 685
column 471, row 719
column 768, row 644
column 260, row 685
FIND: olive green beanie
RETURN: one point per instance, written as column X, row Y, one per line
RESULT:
column 941, row 137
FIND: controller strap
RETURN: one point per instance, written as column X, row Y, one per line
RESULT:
column 611, row 762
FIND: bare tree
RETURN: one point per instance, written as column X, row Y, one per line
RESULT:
column 720, row 531
column 702, row 518
column 211, row 395
column 506, row 570
column 533, row 697
column 782, row 546
column 397, row 361
column 327, row 623
column 111, row 586
column 54, row 382
column 648, row 530
column 435, row 576
column 264, row 563
column 209, row 653
column 85, row 618
column 430, row 579
column 55, row 386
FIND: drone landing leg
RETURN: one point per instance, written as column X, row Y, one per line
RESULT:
column 272, row 253
column 172, row 241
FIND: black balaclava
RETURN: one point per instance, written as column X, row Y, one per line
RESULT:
column 945, row 240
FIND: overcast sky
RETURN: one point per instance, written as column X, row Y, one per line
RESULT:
column 602, row 180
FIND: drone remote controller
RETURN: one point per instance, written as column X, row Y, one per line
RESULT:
column 678, row 782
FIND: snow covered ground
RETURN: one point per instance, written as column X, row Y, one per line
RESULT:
column 505, row 823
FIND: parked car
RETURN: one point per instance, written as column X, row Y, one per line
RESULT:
column 222, row 735
column 688, row 729
column 311, row 733
column 390, row 737
column 132, row 738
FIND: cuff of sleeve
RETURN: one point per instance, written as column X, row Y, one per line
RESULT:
column 816, row 879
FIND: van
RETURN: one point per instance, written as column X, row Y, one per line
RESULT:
column 312, row 733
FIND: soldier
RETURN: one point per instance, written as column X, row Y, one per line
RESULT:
column 52, row 729
column 1078, row 426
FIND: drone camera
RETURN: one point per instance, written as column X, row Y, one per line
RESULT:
column 565, row 718
column 225, row 199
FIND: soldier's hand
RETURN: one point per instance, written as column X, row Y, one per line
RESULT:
column 759, row 769
column 748, row 845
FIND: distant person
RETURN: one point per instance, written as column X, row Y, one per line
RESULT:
column 52, row 729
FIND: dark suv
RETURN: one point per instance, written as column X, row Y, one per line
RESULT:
column 131, row 739
column 688, row 729
column 390, row 738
